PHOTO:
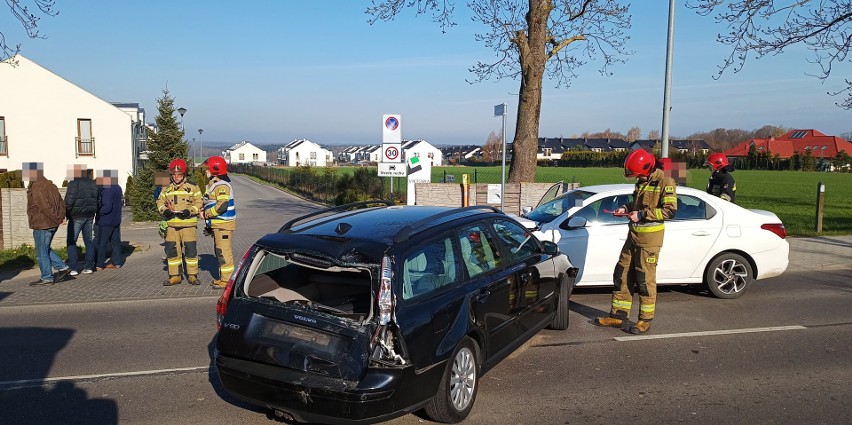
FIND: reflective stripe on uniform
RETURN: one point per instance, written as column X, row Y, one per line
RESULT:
column 669, row 199
column 174, row 261
column 657, row 227
column 228, row 269
column 192, row 261
column 622, row 305
column 647, row 308
column 177, row 222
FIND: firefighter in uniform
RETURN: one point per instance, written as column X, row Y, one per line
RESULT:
column 654, row 201
column 721, row 182
column 180, row 203
column 220, row 216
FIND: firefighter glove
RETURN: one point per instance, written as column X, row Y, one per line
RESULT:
column 184, row 214
column 167, row 214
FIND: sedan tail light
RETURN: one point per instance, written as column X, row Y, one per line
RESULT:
column 222, row 304
column 777, row 228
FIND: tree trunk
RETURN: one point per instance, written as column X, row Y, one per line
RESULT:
column 533, row 58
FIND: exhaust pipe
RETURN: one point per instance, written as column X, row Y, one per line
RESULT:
column 281, row 416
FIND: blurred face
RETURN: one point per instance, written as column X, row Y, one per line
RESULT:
column 178, row 177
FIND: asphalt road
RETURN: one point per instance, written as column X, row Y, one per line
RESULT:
column 141, row 362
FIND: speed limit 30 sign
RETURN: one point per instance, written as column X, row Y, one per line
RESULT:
column 390, row 153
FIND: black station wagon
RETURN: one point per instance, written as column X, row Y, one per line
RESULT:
column 361, row 313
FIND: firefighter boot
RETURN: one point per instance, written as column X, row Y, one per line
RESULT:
column 218, row 284
column 172, row 280
column 640, row 327
column 193, row 279
column 610, row 322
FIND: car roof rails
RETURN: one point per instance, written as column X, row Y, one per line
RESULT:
column 409, row 230
column 355, row 205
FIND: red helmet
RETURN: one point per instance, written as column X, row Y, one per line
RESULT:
column 717, row 160
column 639, row 163
column 217, row 166
column 177, row 166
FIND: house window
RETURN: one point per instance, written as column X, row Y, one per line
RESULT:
column 254, row 157
column 313, row 155
column 4, row 149
column 548, row 151
column 431, row 155
column 85, row 141
column 242, row 157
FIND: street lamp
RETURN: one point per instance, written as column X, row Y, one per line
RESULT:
column 181, row 111
column 201, row 140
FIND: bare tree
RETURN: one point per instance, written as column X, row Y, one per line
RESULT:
column 28, row 19
column 654, row 134
column 531, row 39
column 633, row 134
column 492, row 150
column 767, row 27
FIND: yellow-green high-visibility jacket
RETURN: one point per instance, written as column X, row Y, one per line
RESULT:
column 185, row 196
column 656, row 201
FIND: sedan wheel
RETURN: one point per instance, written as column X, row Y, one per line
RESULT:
column 728, row 276
column 457, row 392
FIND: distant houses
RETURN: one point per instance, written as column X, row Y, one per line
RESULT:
column 245, row 153
column 794, row 141
column 304, row 152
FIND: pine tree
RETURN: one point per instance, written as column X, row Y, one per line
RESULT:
column 164, row 145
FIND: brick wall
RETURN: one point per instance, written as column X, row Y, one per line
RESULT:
column 517, row 195
column 14, row 225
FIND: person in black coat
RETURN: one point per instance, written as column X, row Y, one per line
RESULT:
column 721, row 182
column 81, row 204
column 108, row 221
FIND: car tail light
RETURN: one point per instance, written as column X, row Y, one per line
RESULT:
column 776, row 228
column 385, row 295
column 222, row 304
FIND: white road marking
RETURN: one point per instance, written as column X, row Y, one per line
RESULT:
column 24, row 383
column 708, row 333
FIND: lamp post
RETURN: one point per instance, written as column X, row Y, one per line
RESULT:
column 201, row 140
column 500, row 110
column 667, row 90
column 181, row 111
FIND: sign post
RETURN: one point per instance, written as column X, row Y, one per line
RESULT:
column 391, row 164
column 500, row 110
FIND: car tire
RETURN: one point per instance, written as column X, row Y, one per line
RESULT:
column 457, row 391
column 560, row 318
column 728, row 276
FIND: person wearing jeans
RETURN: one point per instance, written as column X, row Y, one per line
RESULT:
column 108, row 221
column 81, row 204
column 45, row 213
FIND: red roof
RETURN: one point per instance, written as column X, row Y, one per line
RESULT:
column 820, row 145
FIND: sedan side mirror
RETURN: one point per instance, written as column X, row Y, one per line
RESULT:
column 550, row 248
column 525, row 210
column 577, row 222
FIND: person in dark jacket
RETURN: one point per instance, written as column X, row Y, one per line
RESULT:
column 108, row 221
column 45, row 212
column 81, row 204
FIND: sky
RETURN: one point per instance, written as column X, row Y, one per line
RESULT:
column 273, row 71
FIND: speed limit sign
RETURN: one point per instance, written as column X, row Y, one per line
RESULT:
column 391, row 152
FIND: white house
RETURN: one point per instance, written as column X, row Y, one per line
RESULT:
column 45, row 118
column 422, row 149
column 244, row 153
column 304, row 152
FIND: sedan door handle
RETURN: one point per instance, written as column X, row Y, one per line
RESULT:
column 700, row 233
column 482, row 296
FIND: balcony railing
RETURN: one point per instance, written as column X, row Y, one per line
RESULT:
column 85, row 147
column 4, row 145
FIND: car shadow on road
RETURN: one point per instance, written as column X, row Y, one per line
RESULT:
column 27, row 398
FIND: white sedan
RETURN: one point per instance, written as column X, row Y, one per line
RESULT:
column 710, row 241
